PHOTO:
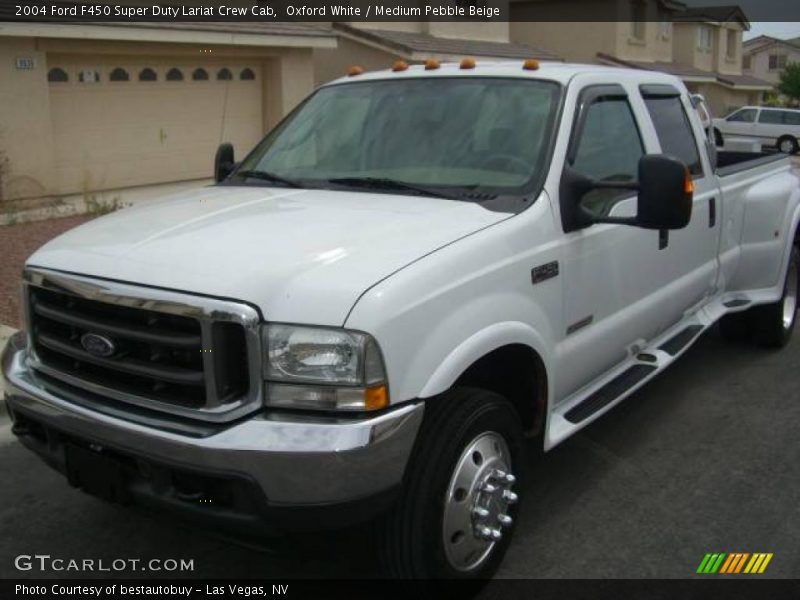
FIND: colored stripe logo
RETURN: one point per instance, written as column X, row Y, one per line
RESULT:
column 734, row 563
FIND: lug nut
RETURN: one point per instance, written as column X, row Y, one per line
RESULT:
column 489, row 488
column 510, row 496
column 510, row 479
column 485, row 533
column 496, row 534
column 499, row 474
column 505, row 520
column 480, row 512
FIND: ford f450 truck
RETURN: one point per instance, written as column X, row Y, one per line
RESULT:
column 364, row 316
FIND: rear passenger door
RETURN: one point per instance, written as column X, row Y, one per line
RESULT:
column 693, row 249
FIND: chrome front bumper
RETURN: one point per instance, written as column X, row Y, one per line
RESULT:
column 295, row 460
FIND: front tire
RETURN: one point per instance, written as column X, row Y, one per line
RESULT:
column 457, row 511
column 788, row 145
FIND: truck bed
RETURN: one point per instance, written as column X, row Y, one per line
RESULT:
column 731, row 161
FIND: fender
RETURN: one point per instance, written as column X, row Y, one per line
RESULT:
column 480, row 344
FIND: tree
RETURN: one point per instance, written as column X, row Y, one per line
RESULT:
column 790, row 82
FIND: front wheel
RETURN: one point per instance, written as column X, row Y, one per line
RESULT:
column 788, row 145
column 459, row 503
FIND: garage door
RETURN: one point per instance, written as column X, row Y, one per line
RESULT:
column 124, row 123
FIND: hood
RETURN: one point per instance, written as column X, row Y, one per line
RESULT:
column 303, row 256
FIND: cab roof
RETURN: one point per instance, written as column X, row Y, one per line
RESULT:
column 552, row 71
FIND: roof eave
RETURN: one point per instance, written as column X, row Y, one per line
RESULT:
column 144, row 34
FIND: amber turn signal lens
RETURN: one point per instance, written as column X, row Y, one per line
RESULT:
column 399, row 65
column 376, row 397
column 355, row 70
column 431, row 64
column 688, row 183
column 467, row 63
column 531, row 65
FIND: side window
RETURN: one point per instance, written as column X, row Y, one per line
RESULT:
column 771, row 117
column 746, row 115
column 609, row 149
column 674, row 130
column 791, row 117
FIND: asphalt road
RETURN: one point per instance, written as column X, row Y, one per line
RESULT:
column 705, row 458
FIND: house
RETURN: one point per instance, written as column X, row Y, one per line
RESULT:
column 766, row 57
column 94, row 107
column 375, row 45
column 702, row 46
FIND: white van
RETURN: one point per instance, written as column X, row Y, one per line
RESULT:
column 778, row 127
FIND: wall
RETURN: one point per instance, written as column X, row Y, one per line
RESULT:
column 330, row 64
column 722, row 100
column 25, row 131
column 582, row 40
column 573, row 41
column 760, row 62
column 724, row 63
column 31, row 108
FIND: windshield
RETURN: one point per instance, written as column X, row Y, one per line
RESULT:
column 452, row 137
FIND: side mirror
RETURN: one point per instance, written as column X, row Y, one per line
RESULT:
column 223, row 162
column 665, row 193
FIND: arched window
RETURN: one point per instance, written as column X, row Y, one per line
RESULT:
column 200, row 75
column 247, row 75
column 224, row 74
column 119, row 74
column 57, row 75
column 147, row 74
column 174, row 74
column 89, row 76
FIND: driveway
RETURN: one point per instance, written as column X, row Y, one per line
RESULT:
column 703, row 459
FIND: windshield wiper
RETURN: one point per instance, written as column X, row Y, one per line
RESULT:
column 267, row 176
column 382, row 183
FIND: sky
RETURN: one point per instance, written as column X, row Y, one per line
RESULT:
column 779, row 30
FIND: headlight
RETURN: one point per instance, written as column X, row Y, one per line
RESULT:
column 325, row 369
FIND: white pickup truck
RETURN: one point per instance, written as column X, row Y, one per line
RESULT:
column 364, row 317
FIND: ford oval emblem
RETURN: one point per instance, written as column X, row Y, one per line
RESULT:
column 98, row 345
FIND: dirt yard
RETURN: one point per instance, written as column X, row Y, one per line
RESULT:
column 18, row 242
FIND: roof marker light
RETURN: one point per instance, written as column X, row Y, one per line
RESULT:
column 355, row 70
column 531, row 65
column 467, row 63
column 399, row 65
column 432, row 64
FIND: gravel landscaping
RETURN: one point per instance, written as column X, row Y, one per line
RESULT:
column 17, row 243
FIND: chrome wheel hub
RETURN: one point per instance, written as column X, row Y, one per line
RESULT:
column 476, row 512
column 790, row 297
column 787, row 147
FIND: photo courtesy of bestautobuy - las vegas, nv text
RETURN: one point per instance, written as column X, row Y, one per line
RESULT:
column 412, row 299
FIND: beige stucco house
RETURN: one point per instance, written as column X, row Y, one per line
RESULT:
column 375, row 45
column 702, row 46
column 766, row 57
column 87, row 108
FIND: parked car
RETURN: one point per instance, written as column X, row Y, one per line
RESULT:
column 773, row 127
column 365, row 315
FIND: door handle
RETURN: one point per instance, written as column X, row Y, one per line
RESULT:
column 712, row 212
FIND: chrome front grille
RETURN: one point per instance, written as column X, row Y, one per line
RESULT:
column 163, row 350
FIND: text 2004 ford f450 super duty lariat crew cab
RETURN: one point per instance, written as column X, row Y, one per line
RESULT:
column 365, row 315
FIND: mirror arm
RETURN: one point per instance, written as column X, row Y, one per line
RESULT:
column 588, row 218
